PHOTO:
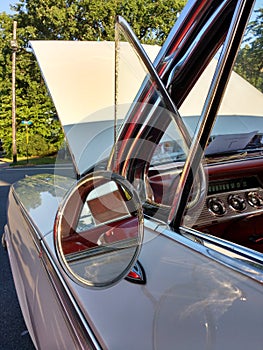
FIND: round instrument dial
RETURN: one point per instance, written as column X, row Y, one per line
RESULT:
column 236, row 202
column 255, row 199
column 216, row 206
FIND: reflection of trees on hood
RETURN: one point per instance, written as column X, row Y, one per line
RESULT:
column 29, row 189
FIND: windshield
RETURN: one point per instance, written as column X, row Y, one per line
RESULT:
column 239, row 124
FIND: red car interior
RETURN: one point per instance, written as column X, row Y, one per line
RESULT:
column 233, row 209
column 105, row 234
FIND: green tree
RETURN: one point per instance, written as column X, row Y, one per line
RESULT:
column 32, row 100
column 64, row 20
column 249, row 63
column 94, row 19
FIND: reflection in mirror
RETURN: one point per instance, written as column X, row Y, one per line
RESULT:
column 99, row 229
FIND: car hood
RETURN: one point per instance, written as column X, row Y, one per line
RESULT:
column 80, row 79
column 41, row 196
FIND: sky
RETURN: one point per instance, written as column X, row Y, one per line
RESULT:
column 4, row 5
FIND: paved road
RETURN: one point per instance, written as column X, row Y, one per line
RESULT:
column 13, row 332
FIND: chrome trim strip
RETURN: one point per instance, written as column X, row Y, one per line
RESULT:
column 36, row 237
column 153, row 224
column 238, row 258
column 5, row 234
column 60, row 287
column 234, row 248
column 84, row 335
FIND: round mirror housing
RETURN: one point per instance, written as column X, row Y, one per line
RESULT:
column 99, row 229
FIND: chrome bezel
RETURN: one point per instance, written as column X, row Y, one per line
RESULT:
column 237, row 197
column 65, row 262
column 257, row 194
column 220, row 202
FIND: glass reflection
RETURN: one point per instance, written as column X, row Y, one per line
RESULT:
column 100, row 230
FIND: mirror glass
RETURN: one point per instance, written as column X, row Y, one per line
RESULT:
column 99, row 229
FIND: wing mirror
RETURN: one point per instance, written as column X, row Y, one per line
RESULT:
column 99, row 229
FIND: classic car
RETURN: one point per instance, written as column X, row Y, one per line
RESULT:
column 157, row 241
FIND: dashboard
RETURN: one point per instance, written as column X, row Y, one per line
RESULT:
column 233, row 205
column 232, row 198
column 233, row 209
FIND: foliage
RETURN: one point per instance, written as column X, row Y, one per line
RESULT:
column 63, row 20
column 94, row 20
column 249, row 63
column 32, row 100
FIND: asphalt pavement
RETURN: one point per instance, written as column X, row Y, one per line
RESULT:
column 13, row 332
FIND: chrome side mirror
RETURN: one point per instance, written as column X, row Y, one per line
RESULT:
column 99, row 229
